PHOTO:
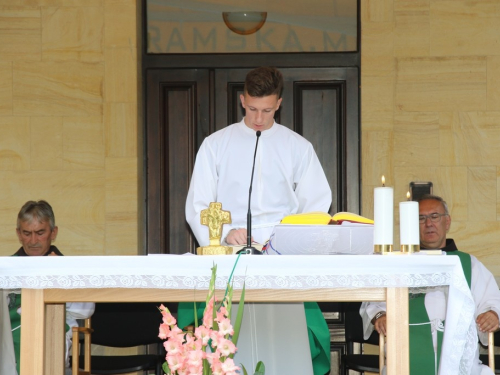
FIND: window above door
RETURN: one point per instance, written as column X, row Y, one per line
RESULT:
column 258, row 26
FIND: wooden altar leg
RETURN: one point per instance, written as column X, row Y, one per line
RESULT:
column 55, row 327
column 397, row 332
column 32, row 332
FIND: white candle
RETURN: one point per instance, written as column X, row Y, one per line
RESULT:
column 408, row 223
column 383, row 215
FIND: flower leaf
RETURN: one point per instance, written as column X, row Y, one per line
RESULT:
column 239, row 318
column 260, row 369
column 165, row 368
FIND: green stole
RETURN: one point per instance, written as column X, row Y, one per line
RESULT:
column 317, row 330
column 15, row 323
column 422, row 356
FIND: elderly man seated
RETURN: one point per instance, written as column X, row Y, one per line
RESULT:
column 36, row 230
column 426, row 338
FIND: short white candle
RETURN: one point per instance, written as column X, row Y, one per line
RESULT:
column 383, row 216
column 409, row 230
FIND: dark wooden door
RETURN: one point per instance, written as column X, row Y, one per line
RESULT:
column 186, row 105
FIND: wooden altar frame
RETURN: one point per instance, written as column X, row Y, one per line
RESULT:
column 43, row 317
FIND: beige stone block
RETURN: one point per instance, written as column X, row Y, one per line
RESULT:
column 46, row 143
column 416, row 139
column 58, row 89
column 441, row 84
column 479, row 238
column 471, row 138
column 448, row 182
column 377, row 58
column 498, row 194
column 121, row 239
column 9, row 243
column 482, row 193
column 367, row 192
column 411, row 5
column 120, row 126
column 121, row 190
column 493, row 86
column 20, row 32
column 77, row 197
column 121, row 75
column 411, row 34
column 72, row 33
column 5, row 88
column 377, row 157
column 377, row 11
column 464, row 28
column 14, row 192
column 83, row 143
column 120, row 24
column 80, row 239
column 69, row 3
column 14, row 143
column 377, row 103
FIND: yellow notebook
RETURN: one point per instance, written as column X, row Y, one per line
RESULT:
column 322, row 218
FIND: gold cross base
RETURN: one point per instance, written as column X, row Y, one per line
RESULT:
column 214, row 250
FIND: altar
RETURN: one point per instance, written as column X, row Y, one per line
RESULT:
column 48, row 282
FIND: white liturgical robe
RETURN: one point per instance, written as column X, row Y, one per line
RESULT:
column 288, row 179
column 486, row 296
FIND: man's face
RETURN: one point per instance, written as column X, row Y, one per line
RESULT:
column 433, row 235
column 260, row 111
column 36, row 237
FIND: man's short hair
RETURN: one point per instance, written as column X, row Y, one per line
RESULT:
column 264, row 81
column 41, row 210
column 436, row 198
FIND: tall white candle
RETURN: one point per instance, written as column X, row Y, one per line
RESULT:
column 408, row 223
column 383, row 215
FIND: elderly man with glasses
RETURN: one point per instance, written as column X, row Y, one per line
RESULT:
column 430, row 307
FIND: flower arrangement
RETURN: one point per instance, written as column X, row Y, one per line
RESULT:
column 210, row 349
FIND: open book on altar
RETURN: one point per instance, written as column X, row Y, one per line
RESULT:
column 322, row 218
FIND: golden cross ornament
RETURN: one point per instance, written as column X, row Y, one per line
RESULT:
column 214, row 217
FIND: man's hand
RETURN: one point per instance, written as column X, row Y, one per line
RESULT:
column 487, row 322
column 381, row 325
column 237, row 237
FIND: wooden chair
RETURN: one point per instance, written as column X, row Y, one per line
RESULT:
column 354, row 334
column 119, row 325
column 87, row 334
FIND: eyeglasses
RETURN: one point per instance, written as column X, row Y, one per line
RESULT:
column 435, row 218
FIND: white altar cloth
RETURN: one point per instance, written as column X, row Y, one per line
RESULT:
column 299, row 272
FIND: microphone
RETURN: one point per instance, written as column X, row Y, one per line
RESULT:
column 249, row 249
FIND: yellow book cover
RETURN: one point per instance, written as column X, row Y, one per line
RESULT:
column 323, row 218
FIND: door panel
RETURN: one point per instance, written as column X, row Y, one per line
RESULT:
column 177, row 122
column 319, row 103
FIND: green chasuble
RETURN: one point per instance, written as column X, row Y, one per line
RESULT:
column 423, row 360
column 317, row 330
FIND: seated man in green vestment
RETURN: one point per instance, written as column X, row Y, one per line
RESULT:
column 36, row 230
column 426, row 338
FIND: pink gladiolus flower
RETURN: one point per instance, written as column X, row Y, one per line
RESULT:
column 225, row 327
column 175, row 362
column 226, row 347
column 229, row 367
column 195, row 358
column 164, row 331
column 202, row 333
column 169, row 319
column 173, row 347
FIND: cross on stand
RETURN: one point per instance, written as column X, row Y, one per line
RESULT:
column 214, row 217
